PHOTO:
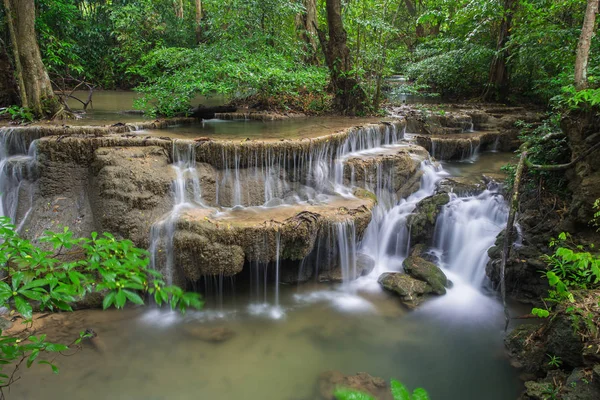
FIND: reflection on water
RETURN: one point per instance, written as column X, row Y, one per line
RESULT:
column 488, row 164
column 109, row 107
column 293, row 128
column 160, row 355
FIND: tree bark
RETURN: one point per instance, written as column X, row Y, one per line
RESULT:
column 508, row 234
column 199, row 16
column 583, row 46
column 498, row 85
column 349, row 98
column 178, row 8
column 15, row 48
column 306, row 23
column 35, row 86
column 8, row 85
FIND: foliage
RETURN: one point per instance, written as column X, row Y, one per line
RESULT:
column 547, row 145
column 173, row 76
column 571, row 99
column 451, row 68
column 555, row 361
column 67, row 271
column 17, row 113
column 399, row 392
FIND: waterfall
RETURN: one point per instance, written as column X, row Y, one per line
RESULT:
column 346, row 242
column 387, row 239
column 162, row 232
column 465, row 229
column 16, row 166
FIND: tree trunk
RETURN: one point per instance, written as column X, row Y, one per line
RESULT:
column 36, row 88
column 498, row 84
column 8, row 85
column 178, row 8
column 306, row 23
column 350, row 98
column 583, row 46
column 199, row 21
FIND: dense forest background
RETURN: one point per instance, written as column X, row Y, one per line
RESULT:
column 273, row 50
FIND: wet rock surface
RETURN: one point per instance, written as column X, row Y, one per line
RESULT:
column 412, row 292
column 566, row 338
column 421, row 222
column 426, row 271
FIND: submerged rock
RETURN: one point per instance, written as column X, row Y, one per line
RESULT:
column 329, row 381
column 210, row 334
column 426, row 271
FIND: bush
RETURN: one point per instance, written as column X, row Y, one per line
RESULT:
column 39, row 278
column 453, row 72
column 173, row 76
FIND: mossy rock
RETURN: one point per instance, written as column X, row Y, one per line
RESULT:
column 410, row 290
column 426, row 271
column 422, row 221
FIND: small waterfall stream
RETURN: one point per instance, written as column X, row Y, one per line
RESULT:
column 16, row 166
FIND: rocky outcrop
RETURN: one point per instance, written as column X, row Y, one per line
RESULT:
column 396, row 168
column 581, row 129
column 209, row 243
column 329, row 381
column 570, row 337
column 412, row 292
column 421, row 222
column 426, row 271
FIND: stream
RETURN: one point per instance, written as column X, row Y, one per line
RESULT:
column 261, row 339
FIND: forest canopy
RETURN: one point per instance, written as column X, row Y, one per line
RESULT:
column 276, row 52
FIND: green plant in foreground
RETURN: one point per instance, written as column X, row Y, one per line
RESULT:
column 399, row 392
column 555, row 361
column 42, row 278
column 18, row 113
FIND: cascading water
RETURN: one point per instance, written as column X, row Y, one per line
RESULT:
column 465, row 229
column 16, row 163
column 162, row 232
column 387, row 239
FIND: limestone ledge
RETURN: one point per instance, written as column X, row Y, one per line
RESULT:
column 209, row 242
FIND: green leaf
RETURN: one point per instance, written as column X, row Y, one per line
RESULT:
column 54, row 367
column 349, row 394
column 420, row 394
column 109, row 299
column 23, row 307
column 133, row 297
column 121, row 299
column 56, row 347
column 399, row 391
column 5, row 292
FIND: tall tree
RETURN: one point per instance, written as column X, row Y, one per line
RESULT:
column 178, row 4
column 34, row 84
column 350, row 98
column 199, row 15
column 498, row 84
column 306, row 24
column 8, row 86
column 583, row 46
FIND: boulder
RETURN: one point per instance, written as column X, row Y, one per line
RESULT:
column 412, row 291
column 426, row 271
column 329, row 381
column 421, row 222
